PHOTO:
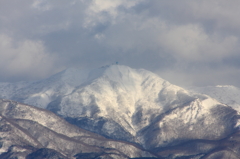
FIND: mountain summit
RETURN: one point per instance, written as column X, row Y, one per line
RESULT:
column 132, row 105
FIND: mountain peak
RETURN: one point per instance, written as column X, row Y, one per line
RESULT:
column 128, row 104
column 117, row 73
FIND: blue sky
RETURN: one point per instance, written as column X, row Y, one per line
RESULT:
column 186, row 42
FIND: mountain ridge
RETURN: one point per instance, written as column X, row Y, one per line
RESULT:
column 43, row 129
column 130, row 105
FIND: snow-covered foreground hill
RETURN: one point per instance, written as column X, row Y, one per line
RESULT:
column 132, row 105
column 30, row 132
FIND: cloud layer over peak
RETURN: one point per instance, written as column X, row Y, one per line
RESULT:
column 198, row 41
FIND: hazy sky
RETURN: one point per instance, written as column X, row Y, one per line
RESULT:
column 186, row 42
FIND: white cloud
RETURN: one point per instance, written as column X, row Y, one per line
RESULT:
column 24, row 58
column 102, row 11
column 191, row 43
column 223, row 13
column 110, row 6
column 41, row 5
column 187, row 43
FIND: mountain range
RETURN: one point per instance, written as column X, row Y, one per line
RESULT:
column 117, row 112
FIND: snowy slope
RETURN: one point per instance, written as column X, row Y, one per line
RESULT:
column 25, row 129
column 41, row 93
column 226, row 94
column 128, row 104
column 114, row 99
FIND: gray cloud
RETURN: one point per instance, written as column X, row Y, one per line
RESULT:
column 197, row 41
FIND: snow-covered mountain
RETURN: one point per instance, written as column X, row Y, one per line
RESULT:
column 132, row 105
